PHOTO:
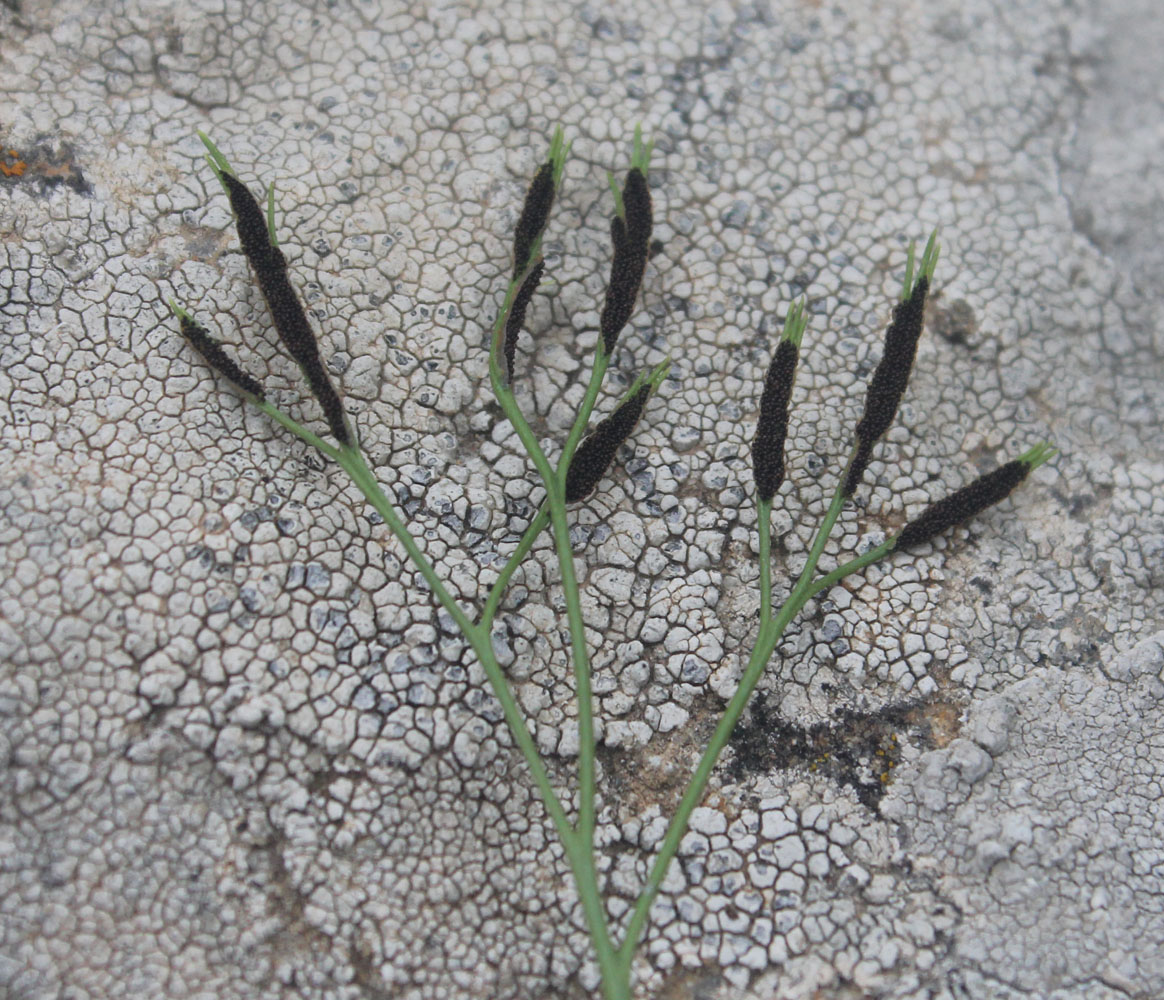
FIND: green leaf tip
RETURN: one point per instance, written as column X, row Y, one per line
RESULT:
column 641, row 155
column 218, row 163
column 179, row 312
column 930, row 256
column 659, row 373
column 1041, row 453
column 558, row 154
column 640, row 161
column 271, row 214
column 929, row 262
column 654, row 378
column 619, row 207
column 795, row 323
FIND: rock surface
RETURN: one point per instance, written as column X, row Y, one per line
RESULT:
column 243, row 755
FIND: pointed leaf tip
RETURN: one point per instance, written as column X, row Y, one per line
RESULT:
column 218, row 162
column 1040, row 454
column 795, row 323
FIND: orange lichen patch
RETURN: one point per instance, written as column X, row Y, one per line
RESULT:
column 943, row 718
column 56, row 171
column 11, row 165
column 43, row 168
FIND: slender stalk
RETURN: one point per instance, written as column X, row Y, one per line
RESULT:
column 633, row 219
column 822, row 535
column 295, row 427
column 353, row 463
column 766, row 641
column 554, row 482
column 497, row 592
column 764, row 528
column 587, row 785
column 578, row 844
column 870, row 557
column 597, row 374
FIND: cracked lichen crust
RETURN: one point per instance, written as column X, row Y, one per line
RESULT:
column 242, row 753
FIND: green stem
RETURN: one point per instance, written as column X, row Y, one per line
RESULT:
column 578, row 847
column 870, row 557
column 766, row 641
column 353, row 463
column 585, row 876
column 497, row 592
column 822, row 535
column 764, row 527
column 587, row 784
column 574, row 438
column 295, row 427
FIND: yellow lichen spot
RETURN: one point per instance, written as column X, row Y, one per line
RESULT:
column 11, row 165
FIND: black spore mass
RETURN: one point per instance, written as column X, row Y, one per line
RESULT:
column 772, row 427
column 217, row 358
column 516, row 317
column 963, row 504
column 631, row 240
column 595, row 454
column 539, row 199
column 270, row 267
column 889, row 380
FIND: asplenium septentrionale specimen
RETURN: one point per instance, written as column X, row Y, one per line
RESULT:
column 580, row 469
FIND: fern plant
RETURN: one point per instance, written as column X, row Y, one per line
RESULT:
column 578, row 470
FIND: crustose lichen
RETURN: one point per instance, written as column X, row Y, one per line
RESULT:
column 579, row 470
